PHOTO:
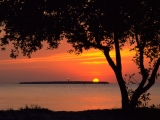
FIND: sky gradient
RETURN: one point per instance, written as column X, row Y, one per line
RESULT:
column 58, row 64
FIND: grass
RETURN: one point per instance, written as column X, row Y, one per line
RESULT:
column 35, row 107
column 35, row 112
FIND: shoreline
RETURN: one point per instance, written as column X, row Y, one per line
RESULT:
column 38, row 113
column 64, row 82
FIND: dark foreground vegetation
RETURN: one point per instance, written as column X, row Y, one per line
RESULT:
column 38, row 113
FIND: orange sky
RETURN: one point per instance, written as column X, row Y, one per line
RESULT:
column 50, row 65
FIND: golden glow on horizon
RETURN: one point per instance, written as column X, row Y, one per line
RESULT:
column 95, row 62
column 92, row 63
column 58, row 64
column 95, row 80
column 87, row 57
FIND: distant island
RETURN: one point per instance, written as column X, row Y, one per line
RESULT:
column 64, row 82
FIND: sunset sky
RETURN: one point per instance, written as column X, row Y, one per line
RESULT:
column 58, row 64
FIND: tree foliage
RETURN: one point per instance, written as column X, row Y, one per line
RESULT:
column 99, row 24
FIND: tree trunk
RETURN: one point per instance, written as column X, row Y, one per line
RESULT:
column 124, row 94
column 118, row 73
column 134, row 100
column 117, row 68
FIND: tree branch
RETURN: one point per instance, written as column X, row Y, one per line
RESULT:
column 109, row 59
column 141, row 55
column 106, row 51
column 97, row 46
column 117, row 50
column 151, row 80
column 141, row 64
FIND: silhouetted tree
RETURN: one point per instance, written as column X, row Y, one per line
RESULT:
column 99, row 24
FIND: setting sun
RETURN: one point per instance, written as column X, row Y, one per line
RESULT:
column 95, row 80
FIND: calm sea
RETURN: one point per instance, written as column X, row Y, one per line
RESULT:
column 65, row 97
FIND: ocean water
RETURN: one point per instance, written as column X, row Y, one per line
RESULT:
column 66, row 97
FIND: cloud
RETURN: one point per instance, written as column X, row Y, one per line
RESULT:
column 95, row 62
column 88, row 57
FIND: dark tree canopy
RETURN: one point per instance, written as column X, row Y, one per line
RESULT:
column 83, row 22
column 99, row 24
